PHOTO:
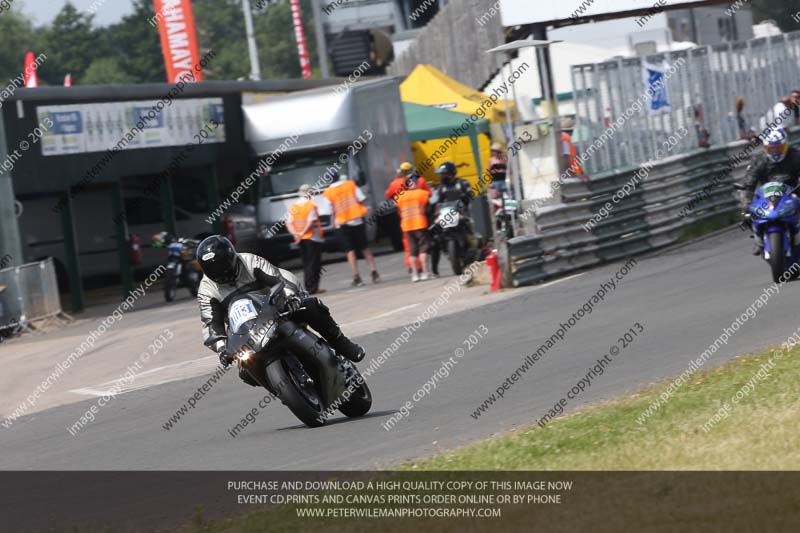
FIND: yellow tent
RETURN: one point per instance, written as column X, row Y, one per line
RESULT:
column 426, row 85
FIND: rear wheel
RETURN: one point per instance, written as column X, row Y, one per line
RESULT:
column 776, row 257
column 295, row 392
column 455, row 257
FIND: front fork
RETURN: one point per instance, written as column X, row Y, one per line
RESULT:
column 790, row 238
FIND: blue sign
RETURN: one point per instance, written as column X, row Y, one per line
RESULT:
column 66, row 123
column 217, row 113
column 145, row 114
column 657, row 91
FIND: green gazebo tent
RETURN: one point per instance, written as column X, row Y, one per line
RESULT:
column 425, row 123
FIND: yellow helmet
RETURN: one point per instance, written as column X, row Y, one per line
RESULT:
column 406, row 167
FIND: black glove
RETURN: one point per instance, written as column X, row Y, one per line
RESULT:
column 225, row 359
column 293, row 303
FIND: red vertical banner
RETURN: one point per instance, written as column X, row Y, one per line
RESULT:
column 300, row 37
column 29, row 74
column 178, row 40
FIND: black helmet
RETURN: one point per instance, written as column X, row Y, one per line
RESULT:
column 447, row 173
column 218, row 259
column 446, row 168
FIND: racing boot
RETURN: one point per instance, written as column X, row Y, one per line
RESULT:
column 317, row 315
column 347, row 348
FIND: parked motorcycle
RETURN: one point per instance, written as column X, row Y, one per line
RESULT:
column 291, row 361
column 452, row 235
column 505, row 211
column 775, row 215
column 183, row 270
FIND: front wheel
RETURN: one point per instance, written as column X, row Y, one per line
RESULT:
column 776, row 255
column 455, row 257
column 299, row 396
column 360, row 401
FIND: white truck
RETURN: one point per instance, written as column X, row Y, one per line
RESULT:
column 357, row 129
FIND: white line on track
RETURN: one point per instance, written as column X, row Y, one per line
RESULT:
column 145, row 379
column 382, row 315
column 202, row 366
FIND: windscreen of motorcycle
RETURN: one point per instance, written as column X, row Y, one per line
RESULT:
column 240, row 313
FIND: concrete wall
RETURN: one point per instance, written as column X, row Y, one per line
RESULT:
column 455, row 42
column 705, row 30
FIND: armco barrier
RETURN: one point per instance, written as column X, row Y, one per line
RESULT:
column 655, row 214
column 28, row 293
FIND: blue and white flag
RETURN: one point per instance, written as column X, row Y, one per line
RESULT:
column 655, row 82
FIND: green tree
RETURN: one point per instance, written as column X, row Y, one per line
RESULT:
column 130, row 50
column 106, row 71
column 277, row 47
column 220, row 27
column 16, row 38
column 70, row 44
column 781, row 11
column 135, row 44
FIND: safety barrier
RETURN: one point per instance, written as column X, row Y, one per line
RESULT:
column 674, row 194
column 28, row 293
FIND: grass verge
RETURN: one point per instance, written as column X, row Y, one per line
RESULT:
column 756, row 431
column 749, row 408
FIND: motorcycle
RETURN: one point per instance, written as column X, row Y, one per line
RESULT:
column 506, row 210
column 291, row 362
column 775, row 215
column 183, row 270
column 452, row 235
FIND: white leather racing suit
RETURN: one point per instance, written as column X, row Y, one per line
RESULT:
column 254, row 273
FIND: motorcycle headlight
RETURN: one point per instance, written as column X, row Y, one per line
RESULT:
column 786, row 211
column 245, row 353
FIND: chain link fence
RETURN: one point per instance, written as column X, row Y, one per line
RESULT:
column 703, row 86
column 28, row 293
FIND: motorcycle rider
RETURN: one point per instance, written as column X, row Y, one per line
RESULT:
column 777, row 159
column 451, row 189
column 228, row 274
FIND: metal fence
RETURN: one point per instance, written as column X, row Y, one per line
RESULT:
column 28, row 292
column 702, row 90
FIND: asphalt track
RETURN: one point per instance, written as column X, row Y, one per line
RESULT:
column 683, row 297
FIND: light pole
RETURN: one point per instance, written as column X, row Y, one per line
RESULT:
column 319, row 32
column 255, row 69
column 546, row 77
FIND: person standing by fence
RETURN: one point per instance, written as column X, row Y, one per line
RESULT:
column 745, row 133
column 569, row 155
column 498, row 167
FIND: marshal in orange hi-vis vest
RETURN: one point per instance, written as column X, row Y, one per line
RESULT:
column 300, row 213
column 573, row 155
column 411, row 206
column 178, row 40
column 346, row 206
